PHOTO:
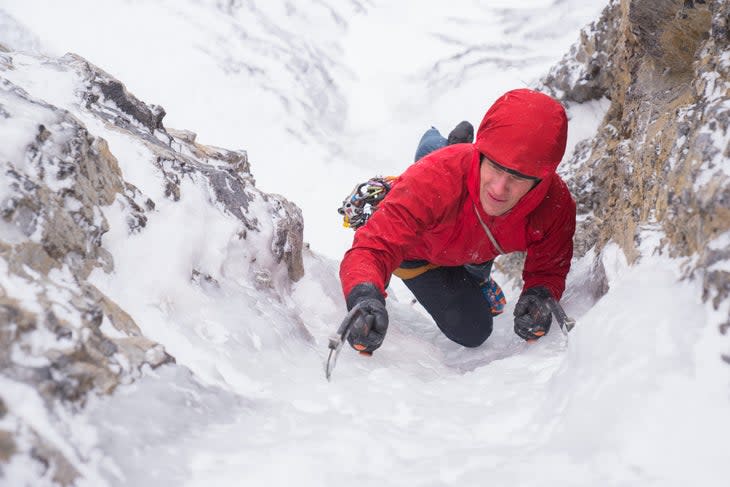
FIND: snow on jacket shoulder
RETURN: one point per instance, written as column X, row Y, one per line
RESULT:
column 431, row 214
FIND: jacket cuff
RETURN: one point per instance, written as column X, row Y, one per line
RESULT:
column 366, row 290
column 539, row 291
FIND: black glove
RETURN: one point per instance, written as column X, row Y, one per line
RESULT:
column 368, row 330
column 532, row 313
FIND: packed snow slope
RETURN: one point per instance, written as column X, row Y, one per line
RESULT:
column 635, row 395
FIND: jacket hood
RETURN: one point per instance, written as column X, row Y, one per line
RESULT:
column 525, row 131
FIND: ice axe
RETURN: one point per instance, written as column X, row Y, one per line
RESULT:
column 566, row 323
column 340, row 337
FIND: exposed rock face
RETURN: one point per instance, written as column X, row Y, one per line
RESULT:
column 660, row 157
column 58, row 332
column 179, row 155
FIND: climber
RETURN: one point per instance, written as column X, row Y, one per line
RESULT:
column 452, row 212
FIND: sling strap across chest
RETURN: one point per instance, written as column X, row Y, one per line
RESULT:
column 487, row 231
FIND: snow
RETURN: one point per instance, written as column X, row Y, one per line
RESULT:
column 26, row 404
column 11, row 233
column 635, row 395
column 19, row 128
column 720, row 242
column 20, row 289
column 47, row 81
column 586, row 118
column 601, row 407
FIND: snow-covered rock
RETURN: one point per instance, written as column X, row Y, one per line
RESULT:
column 661, row 155
column 59, row 333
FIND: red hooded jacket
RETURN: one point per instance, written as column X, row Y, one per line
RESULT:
column 430, row 213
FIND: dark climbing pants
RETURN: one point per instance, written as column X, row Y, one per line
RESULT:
column 453, row 298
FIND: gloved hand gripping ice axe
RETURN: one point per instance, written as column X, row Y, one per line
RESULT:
column 534, row 311
column 340, row 337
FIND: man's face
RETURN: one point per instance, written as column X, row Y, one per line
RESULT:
column 500, row 190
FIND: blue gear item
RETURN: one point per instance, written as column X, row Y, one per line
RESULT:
column 494, row 296
column 490, row 289
column 430, row 141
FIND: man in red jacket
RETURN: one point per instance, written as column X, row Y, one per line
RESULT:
column 452, row 212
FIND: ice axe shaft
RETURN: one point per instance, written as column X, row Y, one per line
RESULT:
column 338, row 339
column 566, row 323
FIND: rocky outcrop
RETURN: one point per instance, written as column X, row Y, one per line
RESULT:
column 59, row 333
column 50, row 318
column 178, row 155
column 660, row 157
